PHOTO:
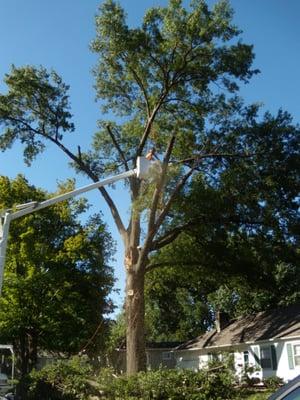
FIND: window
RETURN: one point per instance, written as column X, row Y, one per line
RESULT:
column 246, row 358
column 189, row 363
column 166, row 355
column 297, row 354
column 265, row 357
column 213, row 357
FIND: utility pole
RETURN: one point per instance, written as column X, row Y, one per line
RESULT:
column 6, row 216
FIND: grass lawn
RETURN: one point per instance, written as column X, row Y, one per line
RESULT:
column 256, row 395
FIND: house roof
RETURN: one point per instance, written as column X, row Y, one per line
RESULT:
column 162, row 345
column 155, row 345
column 274, row 324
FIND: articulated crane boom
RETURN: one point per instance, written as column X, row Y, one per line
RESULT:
column 6, row 216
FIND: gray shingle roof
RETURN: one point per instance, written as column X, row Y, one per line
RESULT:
column 274, row 324
column 155, row 345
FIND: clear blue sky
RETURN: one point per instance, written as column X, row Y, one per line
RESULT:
column 56, row 34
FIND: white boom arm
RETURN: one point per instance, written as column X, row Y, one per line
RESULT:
column 6, row 216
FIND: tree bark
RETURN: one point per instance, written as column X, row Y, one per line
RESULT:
column 32, row 350
column 23, row 359
column 135, row 321
column 23, row 367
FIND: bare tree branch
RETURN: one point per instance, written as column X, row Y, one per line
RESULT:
column 160, row 185
column 151, row 267
column 171, row 235
column 189, row 103
column 143, row 89
column 148, row 126
column 84, row 168
column 176, row 191
column 167, row 239
column 113, row 209
column 79, row 153
column 160, row 65
column 117, row 146
column 177, row 75
column 155, row 199
column 214, row 155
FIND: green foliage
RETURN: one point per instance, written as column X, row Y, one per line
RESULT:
column 165, row 70
column 63, row 380
column 239, row 252
column 117, row 333
column 247, row 394
column 37, row 101
column 273, row 382
column 57, row 280
column 73, row 379
column 169, row 385
column 247, row 378
column 176, row 305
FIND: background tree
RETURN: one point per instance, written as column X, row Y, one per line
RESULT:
column 240, row 250
column 171, row 84
column 57, row 280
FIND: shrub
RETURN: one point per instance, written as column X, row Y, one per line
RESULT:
column 74, row 380
column 167, row 384
column 63, row 380
column 247, row 376
column 273, row 382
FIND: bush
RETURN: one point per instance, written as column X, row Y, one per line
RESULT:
column 167, row 384
column 63, row 380
column 247, row 376
column 74, row 380
column 273, row 382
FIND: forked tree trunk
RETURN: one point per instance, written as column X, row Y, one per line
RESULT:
column 135, row 321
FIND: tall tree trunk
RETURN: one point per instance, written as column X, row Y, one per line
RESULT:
column 32, row 350
column 23, row 367
column 134, row 300
column 27, row 360
column 135, row 318
column 23, row 359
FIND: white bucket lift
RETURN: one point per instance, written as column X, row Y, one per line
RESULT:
column 6, row 216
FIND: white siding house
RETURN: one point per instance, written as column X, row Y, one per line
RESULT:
column 268, row 341
column 158, row 355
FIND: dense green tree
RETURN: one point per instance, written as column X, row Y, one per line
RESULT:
column 239, row 296
column 172, row 84
column 57, row 280
column 176, row 303
column 240, row 250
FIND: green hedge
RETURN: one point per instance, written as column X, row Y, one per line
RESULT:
column 72, row 380
column 64, row 380
column 169, row 385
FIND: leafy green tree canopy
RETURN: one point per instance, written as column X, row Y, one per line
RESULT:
column 57, row 278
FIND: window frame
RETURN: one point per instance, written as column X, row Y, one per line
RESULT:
column 167, row 355
column 295, row 355
column 262, row 348
column 246, row 354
